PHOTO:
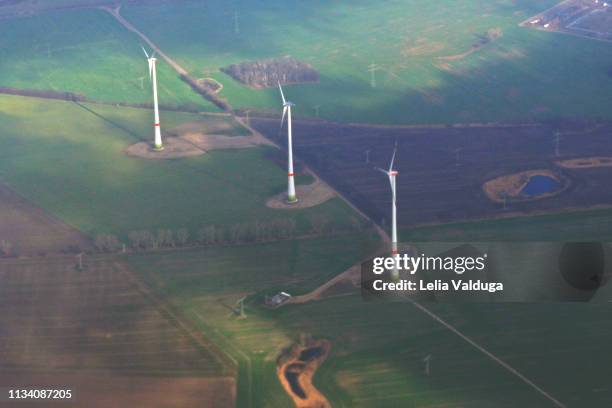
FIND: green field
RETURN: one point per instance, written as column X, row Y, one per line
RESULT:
column 206, row 284
column 86, row 52
column 378, row 348
column 571, row 226
column 69, row 159
column 522, row 76
column 428, row 69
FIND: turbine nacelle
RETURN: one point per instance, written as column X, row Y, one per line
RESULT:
column 286, row 104
column 390, row 172
column 151, row 59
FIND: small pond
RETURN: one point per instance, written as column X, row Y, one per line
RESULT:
column 539, row 185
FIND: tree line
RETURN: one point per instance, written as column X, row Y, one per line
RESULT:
column 240, row 233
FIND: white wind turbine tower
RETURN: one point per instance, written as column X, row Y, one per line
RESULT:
column 392, row 174
column 153, row 77
column 291, row 198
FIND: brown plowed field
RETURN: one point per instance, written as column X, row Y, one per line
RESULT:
column 98, row 332
column 31, row 231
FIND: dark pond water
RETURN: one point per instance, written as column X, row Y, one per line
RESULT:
column 292, row 374
column 539, row 185
column 311, row 354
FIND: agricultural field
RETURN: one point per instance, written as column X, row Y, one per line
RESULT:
column 378, row 348
column 578, row 226
column 463, row 62
column 88, row 53
column 442, row 171
column 206, row 284
column 28, row 230
column 68, row 159
column 99, row 332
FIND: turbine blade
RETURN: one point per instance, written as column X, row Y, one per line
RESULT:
column 393, row 158
column 381, row 170
column 150, row 69
column 145, row 52
column 283, row 118
column 281, row 92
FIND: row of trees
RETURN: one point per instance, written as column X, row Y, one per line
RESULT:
column 242, row 233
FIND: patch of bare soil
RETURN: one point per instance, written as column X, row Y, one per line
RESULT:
column 174, row 148
column 482, row 40
column 201, row 126
column 347, row 281
column 585, row 162
column 194, row 139
column 296, row 368
column 27, row 230
column 308, row 196
column 444, row 67
column 421, row 47
column 216, row 142
column 211, row 84
column 510, row 186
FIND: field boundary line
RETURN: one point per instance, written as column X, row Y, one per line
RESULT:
column 168, row 312
column 488, row 354
column 415, row 126
column 237, row 350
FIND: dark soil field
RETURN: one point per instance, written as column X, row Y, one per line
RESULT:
column 103, row 390
column 30, row 231
column 98, row 332
column 442, row 169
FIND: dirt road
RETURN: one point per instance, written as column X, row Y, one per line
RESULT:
column 207, row 94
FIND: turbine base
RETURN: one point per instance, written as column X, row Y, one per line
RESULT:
column 158, row 148
column 292, row 200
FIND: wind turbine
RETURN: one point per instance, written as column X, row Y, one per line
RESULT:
column 291, row 198
column 427, row 361
column 153, row 77
column 392, row 174
column 240, row 308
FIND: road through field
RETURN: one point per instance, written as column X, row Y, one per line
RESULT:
column 210, row 96
column 115, row 12
column 487, row 353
